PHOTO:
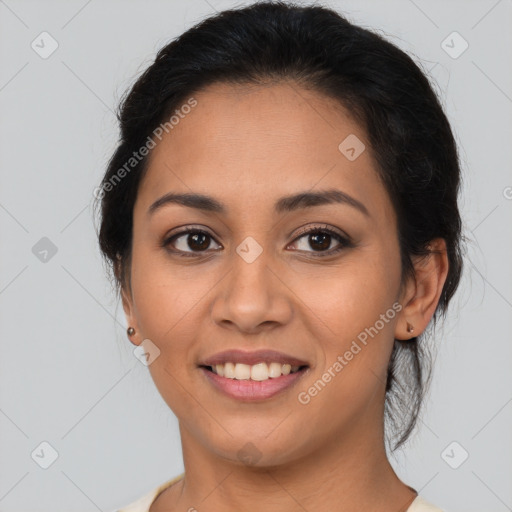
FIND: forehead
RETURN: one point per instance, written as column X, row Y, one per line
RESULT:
column 246, row 144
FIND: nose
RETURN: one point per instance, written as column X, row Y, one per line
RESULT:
column 253, row 296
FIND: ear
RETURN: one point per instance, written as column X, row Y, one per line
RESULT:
column 421, row 294
column 131, row 318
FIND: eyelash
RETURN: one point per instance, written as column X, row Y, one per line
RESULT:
column 345, row 242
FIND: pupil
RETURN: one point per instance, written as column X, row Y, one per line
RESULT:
column 196, row 237
column 325, row 237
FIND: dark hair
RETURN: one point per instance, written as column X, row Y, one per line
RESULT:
column 408, row 133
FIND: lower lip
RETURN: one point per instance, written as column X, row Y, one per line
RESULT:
column 252, row 390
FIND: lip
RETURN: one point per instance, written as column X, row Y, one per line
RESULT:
column 251, row 358
column 250, row 390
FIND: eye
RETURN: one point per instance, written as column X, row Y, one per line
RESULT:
column 320, row 239
column 191, row 242
column 195, row 240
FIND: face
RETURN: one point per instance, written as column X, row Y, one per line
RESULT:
column 314, row 280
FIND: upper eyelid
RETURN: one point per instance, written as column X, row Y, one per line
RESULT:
column 184, row 230
column 324, row 227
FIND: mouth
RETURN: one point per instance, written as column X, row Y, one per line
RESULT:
column 255, row 375
column 258, row 372
column 252, row 383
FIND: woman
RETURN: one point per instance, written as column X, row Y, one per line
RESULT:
column 282, row 223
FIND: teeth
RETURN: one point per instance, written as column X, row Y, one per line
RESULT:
column 260, row 371
column 242, row 371
column 274, row 370
column 229, row 370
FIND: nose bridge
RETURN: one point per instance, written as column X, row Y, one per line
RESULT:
column 251, row 293
column 249, row 268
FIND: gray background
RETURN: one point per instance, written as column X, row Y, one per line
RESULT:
column 68, row 375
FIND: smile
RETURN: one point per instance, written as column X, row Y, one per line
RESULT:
column 253, row 382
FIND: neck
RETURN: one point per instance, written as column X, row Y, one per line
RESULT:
column 350, row 472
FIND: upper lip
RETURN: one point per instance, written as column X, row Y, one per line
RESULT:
column 251, row 358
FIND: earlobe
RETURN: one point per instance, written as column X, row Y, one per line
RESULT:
column 132, row 329
column 423, row 294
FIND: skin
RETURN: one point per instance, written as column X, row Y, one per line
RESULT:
column 248, row 146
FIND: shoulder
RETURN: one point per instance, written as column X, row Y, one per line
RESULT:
column 144, row 503
column 422, row 505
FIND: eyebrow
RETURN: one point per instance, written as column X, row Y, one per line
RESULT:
column 284, row 204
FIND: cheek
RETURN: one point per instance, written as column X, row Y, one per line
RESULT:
column 171, row 307
column 165, row 295
column 358, row 310
column 166, row 308
column 352, row 297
